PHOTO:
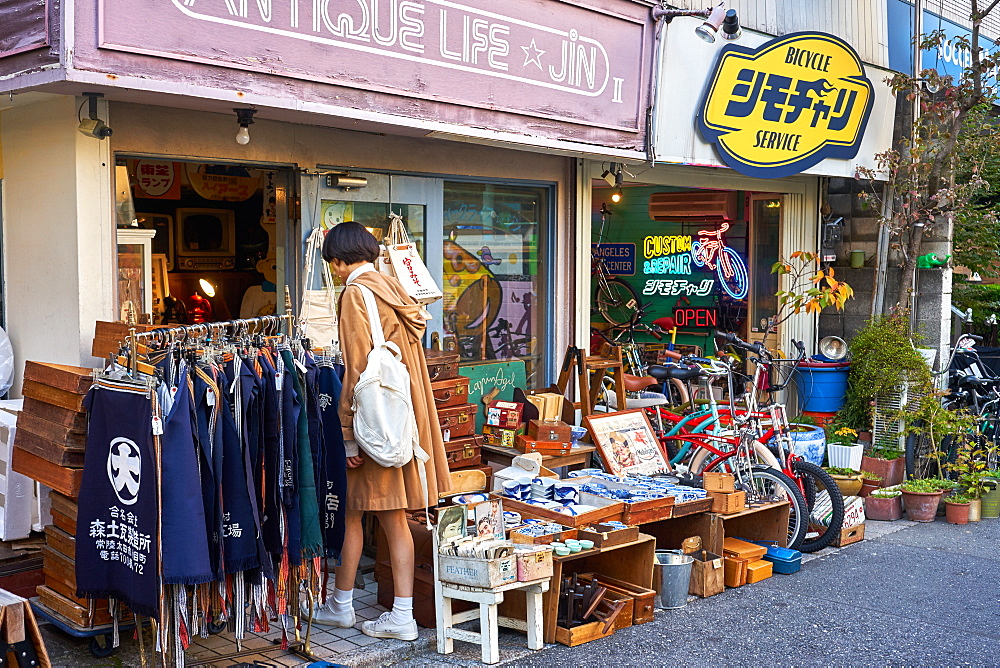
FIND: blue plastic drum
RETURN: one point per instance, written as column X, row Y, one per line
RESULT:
column 822, row 385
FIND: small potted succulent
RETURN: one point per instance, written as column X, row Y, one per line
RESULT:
column 869, row 483
column 957, row 509
column 885, row 505
column 921, row 498
column 847, row 479
column 886, row 460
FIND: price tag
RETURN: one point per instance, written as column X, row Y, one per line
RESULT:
column 210, row 397
column 157, row 426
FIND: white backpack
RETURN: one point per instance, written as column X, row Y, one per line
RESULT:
column 384, row 423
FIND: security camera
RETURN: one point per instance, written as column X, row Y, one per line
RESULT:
column 94, row 127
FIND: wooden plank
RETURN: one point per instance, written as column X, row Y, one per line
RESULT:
column 80, row 615
column 74, row 379
column 66, row 524
column 47, row 450
column 61, row 541
column 53, row 431
column 75, row 421
column 849, row 535
column 53, row 395
column 13, row 622
column 109, row 337
column 63, row 480
column 36, row 637
column 65, row 505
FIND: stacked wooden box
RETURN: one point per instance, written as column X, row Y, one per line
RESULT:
column 51, row 428
column 59, row 559
column 456, row 415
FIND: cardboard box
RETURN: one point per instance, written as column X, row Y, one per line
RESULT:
column 535, row 565
column 550, row 430
column 707, row 574
column 735, row 571
column 719, row 482
column 506, row 414
column 727, row 503
column 854, row 511
column 759, row 570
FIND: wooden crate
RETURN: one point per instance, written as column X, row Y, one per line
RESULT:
column 579, row 635
column 72, row 379
column 109, row 337
column 69, row 437
column 606, row 510
column 643, row 512
column 50, row 451
column 63, row 480
column 74, row 421
column 64, row 511
column 60, row 573
column 69, row 401
column 567, row 533
column 60, row 541
column 735, row 571
column 719, row 482
column 534, row 565
column 692, row 507
column 486, row 573
column 707, row 574
column 728, row 503
column 759, row 570
column 606, row 535
column 83, row 616
column 643, row 611
column 849, row 535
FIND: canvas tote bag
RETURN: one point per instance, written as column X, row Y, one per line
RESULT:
column 407, row 264
column 318, row 315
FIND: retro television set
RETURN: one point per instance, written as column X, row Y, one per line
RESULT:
column 205, row 239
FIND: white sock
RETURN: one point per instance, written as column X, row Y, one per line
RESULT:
column 402, row 610
column 342, row 601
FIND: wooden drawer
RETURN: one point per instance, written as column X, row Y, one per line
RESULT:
column 457, row 421
column 441, row 365
column 451, row 392
column 464, row 451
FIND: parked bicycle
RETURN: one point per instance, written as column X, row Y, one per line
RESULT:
column 614, row 299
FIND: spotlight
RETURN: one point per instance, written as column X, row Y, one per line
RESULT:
column 610, row 175
column 711, row 25
column 731, row 26
column 345, row 181
column 92, row 126
column 833, row 347
column 244, row 116
column 616, row 196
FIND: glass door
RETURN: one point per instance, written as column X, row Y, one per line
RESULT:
column 765, row 226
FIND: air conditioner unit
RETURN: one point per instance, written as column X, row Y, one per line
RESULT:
column 704, row 205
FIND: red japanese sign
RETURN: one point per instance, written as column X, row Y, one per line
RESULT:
column 157, row 179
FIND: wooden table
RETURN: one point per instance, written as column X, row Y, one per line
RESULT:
column 631, row 562
column 578, row 458
column 765, row 522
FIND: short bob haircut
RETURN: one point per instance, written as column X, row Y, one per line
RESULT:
column 350, row 243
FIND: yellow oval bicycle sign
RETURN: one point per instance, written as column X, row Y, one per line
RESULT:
column 784, row 106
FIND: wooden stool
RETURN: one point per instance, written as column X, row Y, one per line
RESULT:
column 489, row 620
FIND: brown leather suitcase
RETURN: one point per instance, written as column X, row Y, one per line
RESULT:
column 451, row 392
column 457, row 421
column 464, row 451
column 441, row 364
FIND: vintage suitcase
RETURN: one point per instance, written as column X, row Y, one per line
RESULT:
column 527, row 444
column 550, row 430
column 441, row 364
column 457, row 421
column 464, row 451
column 451, row 392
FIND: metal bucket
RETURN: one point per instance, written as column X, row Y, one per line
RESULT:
column 671, row 578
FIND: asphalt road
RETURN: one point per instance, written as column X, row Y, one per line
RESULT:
column 924, row 595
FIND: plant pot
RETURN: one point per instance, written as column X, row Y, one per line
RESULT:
column 957, row 513
column 991, row 503
column 921, row 506
column 869, row 486
column 849, row 485
column 890, row 470
column 975, row 510
column 808, row 442
column 845, row 456
column 865, row 436
column 884, row 510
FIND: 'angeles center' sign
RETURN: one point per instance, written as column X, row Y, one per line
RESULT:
column 784, row 106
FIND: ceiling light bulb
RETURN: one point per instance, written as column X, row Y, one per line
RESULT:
column 243, row 135
column 616, row 196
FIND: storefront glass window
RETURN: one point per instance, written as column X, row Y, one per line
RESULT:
column 494, row 252
column 766, row 220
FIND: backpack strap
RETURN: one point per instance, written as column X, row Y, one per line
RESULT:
column 375, row 322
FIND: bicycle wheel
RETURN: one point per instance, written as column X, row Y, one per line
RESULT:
column 772, row 482
column 825, row 503
column 618, row 304
column 738, row 284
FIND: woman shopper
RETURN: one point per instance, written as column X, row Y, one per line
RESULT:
column 388, row 492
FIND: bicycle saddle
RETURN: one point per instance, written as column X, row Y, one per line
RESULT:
column 638, row 383
column 662, row 372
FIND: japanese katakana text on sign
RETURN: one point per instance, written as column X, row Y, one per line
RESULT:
column 781, row 108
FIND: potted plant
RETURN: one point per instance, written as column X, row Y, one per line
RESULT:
column 841, row 449
column 969, row 466
column 869, row 483
column 920, row 499
column 848, row 480
column 957, row 509
column 885, row 505
column 885, row 460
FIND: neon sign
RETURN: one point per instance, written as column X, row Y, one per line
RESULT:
column 711, row 251
column 668, row 264
column 696, row 317
column 678, row 286
column 667, row 255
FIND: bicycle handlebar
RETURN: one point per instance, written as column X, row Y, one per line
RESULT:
column 732, row 339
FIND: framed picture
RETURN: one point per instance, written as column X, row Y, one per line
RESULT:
column 451, row 524
column 627, row 443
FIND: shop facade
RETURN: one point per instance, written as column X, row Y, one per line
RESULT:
column 751, row 186
column 461, row 119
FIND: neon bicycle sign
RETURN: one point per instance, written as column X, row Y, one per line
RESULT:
column 711, row 251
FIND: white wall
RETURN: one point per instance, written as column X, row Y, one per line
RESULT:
column 58, row 233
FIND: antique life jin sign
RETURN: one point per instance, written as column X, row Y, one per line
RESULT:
column 782, row 107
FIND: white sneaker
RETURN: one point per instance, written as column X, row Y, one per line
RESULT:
column 383, row 627
column 325, row 615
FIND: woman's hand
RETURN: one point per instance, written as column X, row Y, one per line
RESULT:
column 354, row 462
